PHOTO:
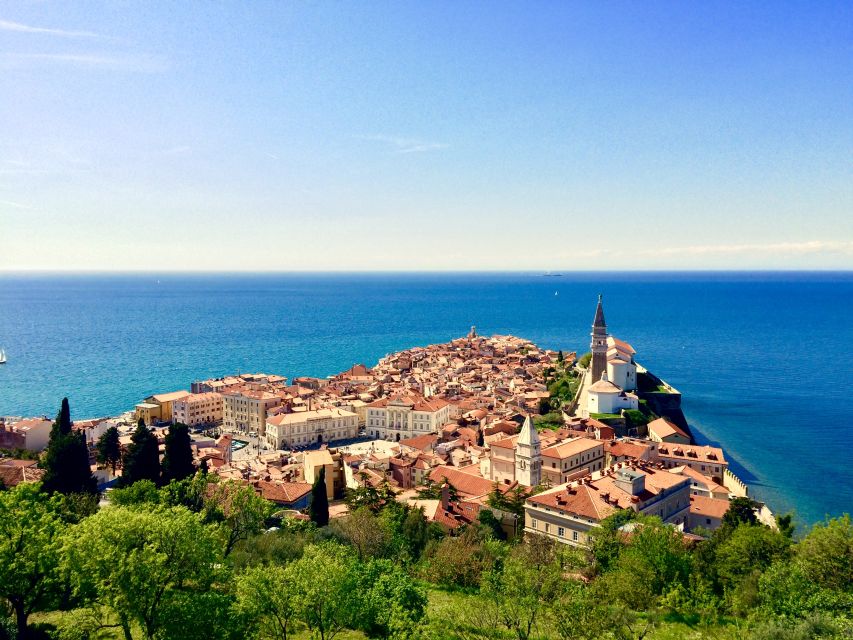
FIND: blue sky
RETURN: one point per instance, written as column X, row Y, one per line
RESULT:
column 426, row 135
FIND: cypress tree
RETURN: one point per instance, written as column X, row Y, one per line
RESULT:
column 66, row 460
column 178, row 459
column 142, row 460
column 63, row 419
column 319, row 511
column 109, row 449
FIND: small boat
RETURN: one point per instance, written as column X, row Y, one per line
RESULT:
column 2, row 356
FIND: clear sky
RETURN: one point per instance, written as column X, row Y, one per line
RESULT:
column 426, row 135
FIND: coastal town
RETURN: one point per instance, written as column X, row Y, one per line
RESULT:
column 449, row 428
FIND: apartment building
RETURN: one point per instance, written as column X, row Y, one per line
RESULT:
column 198, row 409
column 245, row 411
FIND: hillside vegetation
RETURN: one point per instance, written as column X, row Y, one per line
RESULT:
column 184, row 561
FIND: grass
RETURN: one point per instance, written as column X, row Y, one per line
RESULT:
column 451, row 614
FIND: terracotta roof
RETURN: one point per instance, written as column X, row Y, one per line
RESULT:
column 169, row 397
column 571, row 448
column 708, row 507
column 700, row 478
column 464, row 483
column 422, row 443
column 713, row 455
column 283, row 492
column 628, row 449
column 14, row 472
column 582, row 500
column 664, row 428
column 506, row 443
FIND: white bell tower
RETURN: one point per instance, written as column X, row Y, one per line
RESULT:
column 528, row 456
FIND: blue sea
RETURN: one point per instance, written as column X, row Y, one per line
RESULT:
column 764, row 360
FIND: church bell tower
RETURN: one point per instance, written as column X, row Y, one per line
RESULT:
column 528, row 456
column 598, row 345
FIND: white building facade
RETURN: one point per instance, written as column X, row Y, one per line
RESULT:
column 406, row 416
column 303, row 428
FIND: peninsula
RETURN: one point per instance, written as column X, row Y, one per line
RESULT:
column 578, row 438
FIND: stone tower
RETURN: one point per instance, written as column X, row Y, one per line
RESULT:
column 598, row 345
column 528, row 457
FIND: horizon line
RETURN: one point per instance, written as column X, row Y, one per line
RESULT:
column 542, row 272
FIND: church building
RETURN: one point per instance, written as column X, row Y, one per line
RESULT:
column 612, row 374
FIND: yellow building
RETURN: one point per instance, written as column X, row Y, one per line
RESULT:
column 158, row 408
column 313, row 461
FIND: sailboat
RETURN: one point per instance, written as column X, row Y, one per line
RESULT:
column 2, row 356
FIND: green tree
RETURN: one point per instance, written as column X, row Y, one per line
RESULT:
column 66, row 460
column 579, row 614
column 516, row 594
column 319, row 510
column 416, row 532
column 740, row 511
column 323, row 586
column 390, row 604
column 785, row 524
column 654, row 559
column 31, row 531
column 140, row 492
column 458, row 561
column 178, row 458
column 62, row 424
column 826, row 554
column 189, row 492
column 109, row 449
column 742, row 557
column 183, row 609
column 488, row 520
column 142, row 459
column 786, row 591
column 608, row 541
column 512, row 501
column 131, row 559
column 365, row 533
column 239, row 511
column 267, row 595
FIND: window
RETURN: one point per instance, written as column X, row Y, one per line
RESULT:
column 547, row 528
column 575, row 536
column 534, row 524
column 561, row 532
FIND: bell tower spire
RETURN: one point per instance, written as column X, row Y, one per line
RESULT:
column 598, row 344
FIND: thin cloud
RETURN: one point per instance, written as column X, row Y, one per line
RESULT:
column 7, row 25
column 406, row 145
column 133, row 64
column 14, row 205
column 178, row 151
column 778, row 248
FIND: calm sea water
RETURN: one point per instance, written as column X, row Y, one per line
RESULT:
column 765, row 361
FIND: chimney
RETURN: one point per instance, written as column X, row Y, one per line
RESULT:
column 445, row 496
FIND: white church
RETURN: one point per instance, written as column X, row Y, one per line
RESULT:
column 612, row 371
